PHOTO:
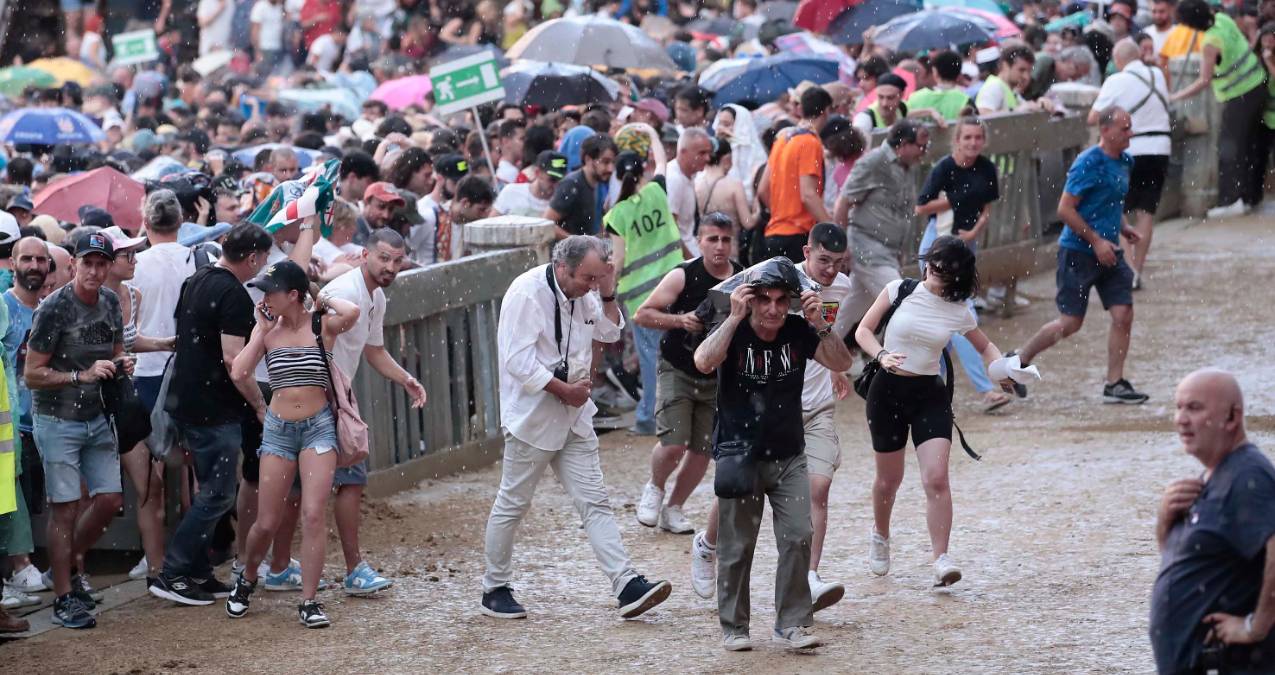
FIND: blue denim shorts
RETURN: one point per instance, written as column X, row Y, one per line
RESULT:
column 351, row 475
column 285, row 439
column 71, row 451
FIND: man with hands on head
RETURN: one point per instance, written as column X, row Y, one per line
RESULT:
column 1213, row 603
column 550, row 317
column 760, row 353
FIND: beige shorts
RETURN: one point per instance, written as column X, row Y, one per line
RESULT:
column 685, row 409
column 823, row 448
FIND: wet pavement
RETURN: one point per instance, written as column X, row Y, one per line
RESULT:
column 1054, row 531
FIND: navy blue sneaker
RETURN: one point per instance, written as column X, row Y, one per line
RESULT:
column 69, row 611
column 639, row 596
column 499, row 603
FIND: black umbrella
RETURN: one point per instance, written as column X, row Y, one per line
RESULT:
column 554, row 85
column 849, row 26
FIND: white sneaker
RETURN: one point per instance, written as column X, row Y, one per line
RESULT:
column 946, row 572
column 28, row 580
column 703, row 567
column 140, row 570
column 673, row 520
column 737, row 643
column 13, row 598
column 648, row 510
column 796, row 637
column 1239, row 208
column 823, row 594
column 879, row 555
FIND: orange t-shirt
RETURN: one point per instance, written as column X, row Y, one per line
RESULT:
column 795, row 154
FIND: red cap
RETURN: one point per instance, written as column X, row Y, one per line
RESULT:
column 383, row 191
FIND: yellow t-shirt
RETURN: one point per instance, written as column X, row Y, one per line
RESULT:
column 1178, row 42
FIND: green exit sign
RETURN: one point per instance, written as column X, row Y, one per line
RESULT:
column 466, row 83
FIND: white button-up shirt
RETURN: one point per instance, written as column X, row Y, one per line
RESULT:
column 528, row 356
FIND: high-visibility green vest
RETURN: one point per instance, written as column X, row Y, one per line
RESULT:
column 948, row 102
column 1269, row 118
column 1240, row 71
column 652, row 243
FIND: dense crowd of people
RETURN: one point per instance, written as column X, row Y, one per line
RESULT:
column 245, row 282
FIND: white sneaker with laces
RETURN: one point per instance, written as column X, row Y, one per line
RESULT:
column 1239, row 208
column 703, row 567
column 14, row 599
column 737, row 643
column 946, row 572
column 140, row 570
column 879, row 555
column 796, row 637
column 824, row 594
column 648, row 510
column 28, row 580
column 673, row 520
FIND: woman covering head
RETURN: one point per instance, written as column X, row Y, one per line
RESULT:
column 734, row 123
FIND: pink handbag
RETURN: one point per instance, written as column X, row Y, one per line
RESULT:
column 351, row 430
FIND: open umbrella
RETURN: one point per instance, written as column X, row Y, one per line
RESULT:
column 554, row 85
column 848, row 28
column 339, row 100
column 1001, row 26
column 16, row 78
column 103, row 187
column 404, row 91
column 591, row 40
column 815, row 15
column 984, row 5
column 66, row 69
column 764, row 79
column 305, row 156
column 931, row 29
column 719, row 25
column 48, row 126
column 460, row 51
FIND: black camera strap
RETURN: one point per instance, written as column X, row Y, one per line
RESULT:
column 557, row 313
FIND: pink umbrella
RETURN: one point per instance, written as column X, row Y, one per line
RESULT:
column 1004, row 27
column 404, row 91
column 104, row 188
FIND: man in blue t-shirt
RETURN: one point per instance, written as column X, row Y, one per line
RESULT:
column 1089, row 254
column 1213, row 603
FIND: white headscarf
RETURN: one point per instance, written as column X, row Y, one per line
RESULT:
column 747, row 151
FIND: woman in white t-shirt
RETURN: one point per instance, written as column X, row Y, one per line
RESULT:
column 909, row 394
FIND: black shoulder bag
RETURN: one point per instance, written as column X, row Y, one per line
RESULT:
column 864, row 381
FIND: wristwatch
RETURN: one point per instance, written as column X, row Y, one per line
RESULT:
column 75, row 377
column 608, row 298
column 824, row 332
column 880, row 354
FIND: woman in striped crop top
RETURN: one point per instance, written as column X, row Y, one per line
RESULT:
column 299, row 429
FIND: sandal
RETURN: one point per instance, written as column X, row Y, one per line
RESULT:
column 993, row 401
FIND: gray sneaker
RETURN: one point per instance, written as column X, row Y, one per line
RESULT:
column 796, row 637
column 1122, row 392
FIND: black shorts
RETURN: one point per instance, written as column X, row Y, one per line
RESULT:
column 1079, row 272
column 789, row 245
column 1146, row 183
column 32, row 478
column 897, row 403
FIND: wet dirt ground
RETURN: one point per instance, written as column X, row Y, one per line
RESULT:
column 1054, row 530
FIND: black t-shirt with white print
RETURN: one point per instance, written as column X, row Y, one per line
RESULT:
column 759, row 389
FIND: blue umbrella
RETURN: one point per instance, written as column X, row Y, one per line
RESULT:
column 931, row 29
column 305, row 156
column 48, row 126
column 764, row 79
column 342, row 101
column 849, row 26
column 985, row 5
column 554, row 85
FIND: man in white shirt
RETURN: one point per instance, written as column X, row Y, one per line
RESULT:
column 1143, row 91
column 693, row 150
column 549, row 319
column 267, row 32
column 325, row 51
column 161, row 271
column 215, row 18
column 510, row 136
column 532, row 199
column 385, row 255
column 1161, row 23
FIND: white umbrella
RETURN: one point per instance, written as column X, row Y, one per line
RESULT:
column 591, row 41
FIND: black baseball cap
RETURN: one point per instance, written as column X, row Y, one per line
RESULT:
column 892, row 80
column 284, row 275
column 21, row 201
column 552, row 163
column 95, row 243
column 452, row 166
column 93, row 216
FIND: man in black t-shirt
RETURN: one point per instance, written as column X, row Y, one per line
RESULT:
column 214, row 321
column 576, row 205
column 760, row 354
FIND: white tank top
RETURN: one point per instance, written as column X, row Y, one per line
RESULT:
column 922, row 326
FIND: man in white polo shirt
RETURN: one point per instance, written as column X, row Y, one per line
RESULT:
column 385, row 255
column 1141, row 90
